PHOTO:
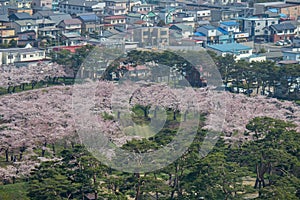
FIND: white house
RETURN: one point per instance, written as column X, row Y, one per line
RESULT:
column 238, row 50
column 25, row 25
column 17, row 55
column 292, row 54
column 230, row 26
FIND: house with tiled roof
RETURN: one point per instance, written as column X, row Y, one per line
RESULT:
column 25, row 25
column 70, row 25
column 184, row 30
column 115, row 19
column 283, row 31
column 90, row 23
column 115, row 10
column 19, row 16
column 42, row 14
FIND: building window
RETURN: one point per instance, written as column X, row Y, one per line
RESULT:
column 31, row 56
column 24, row 55
column 163, row 32
column 10, row 56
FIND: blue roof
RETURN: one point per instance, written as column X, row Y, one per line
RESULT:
column 230, row 23
column 283, row 15
column 89, row 18
column 223, row 31
column 230, row 47
column 273, row 10
column 199, row 34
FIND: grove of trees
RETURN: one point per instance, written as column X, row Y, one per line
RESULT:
column 257, row 154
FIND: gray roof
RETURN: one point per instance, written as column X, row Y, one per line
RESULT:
column 22, row 15
column 44, row 13
column 21, row 50
column 79, row 3
column 284, row 26
column 4, row 18
column 59, row 17
column 182, row 27
column 25, row 22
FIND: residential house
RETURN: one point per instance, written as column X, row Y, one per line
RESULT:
column 19, row 16
column 230, row 26
column 70, row 25
column 79, row 6
column 199, row 15
column 47, row 29
column 90, row 23
column 224, row 14
column 184, row 30
column 180, row 17
column 291, row 11
column 115, row 10
column 19, row 55
column 25, row 25
column 43, row 14
column 258, row 28
column 150, row 17
column 262, row 8
column 55, row 5
column 45, row 23
column 151, row 36
column 169, row 3
column 27, row 37
column 7, row 35
column 50, row 32
column 210, row 32
column 119, row 3
column 132, row 18
column 291, row 54
column 238, row 50
column 116, row 19
column 58, row 17
column 11, row 10
column 224, row 2
column 42, row 3
column 283, row 31
column 23, row 3
column 142, row 8
column 166, row 15
column 72, row 39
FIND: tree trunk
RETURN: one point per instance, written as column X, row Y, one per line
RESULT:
column 138, row 189
column 6, row 155
column 53, row 149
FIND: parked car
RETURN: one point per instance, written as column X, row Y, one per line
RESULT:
column 279, row 43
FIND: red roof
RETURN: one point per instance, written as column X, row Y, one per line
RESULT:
column 72, row 49
column 140, row 22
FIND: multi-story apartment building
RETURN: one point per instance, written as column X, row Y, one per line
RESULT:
column 151, row 36
column 79, row 6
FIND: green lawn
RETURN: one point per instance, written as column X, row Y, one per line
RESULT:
column 13, row 192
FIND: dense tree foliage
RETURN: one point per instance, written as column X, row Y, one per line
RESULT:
column 272, row 161
column 264, row 78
